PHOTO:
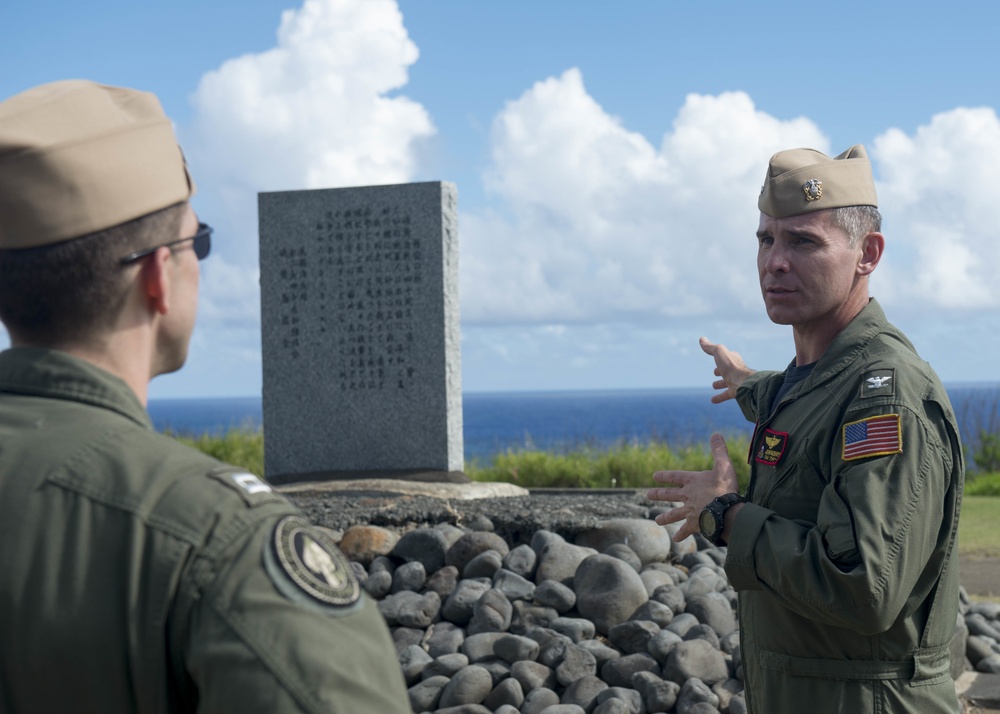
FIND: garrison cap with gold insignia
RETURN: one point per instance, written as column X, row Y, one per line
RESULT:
column 307, row 566
column 803, row 180
column 78, row 157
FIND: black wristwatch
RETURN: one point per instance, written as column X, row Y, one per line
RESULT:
column 713, row 517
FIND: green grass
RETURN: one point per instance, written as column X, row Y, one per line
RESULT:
column 978, row 534
column 629, row 466
column 239, row 447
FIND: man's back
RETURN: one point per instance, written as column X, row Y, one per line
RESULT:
column 134, row 576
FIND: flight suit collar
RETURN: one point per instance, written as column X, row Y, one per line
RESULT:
column 57, row 375
column 845, row 349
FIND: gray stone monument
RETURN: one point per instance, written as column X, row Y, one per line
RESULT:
column 360, row 332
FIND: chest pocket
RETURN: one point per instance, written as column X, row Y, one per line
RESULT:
column 792, row 486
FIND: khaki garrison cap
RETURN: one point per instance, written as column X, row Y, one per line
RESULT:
column 804, row 180
column 78, row 157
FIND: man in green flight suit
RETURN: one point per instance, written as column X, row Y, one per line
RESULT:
column 842, row 550
column 137, row 575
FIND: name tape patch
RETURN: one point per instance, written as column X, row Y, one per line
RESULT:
column 875, row 436
column 772, row 447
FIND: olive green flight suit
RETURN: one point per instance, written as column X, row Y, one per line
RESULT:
column 138, row 575
column 845, row 558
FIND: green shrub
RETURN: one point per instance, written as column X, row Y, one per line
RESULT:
column 624, row 465
column 239, row 447
column 982, row 484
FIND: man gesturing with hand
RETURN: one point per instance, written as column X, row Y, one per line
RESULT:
column 842, row 549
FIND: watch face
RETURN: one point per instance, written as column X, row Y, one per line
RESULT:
column 706, row 521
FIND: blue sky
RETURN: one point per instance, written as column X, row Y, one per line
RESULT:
column 607, row 157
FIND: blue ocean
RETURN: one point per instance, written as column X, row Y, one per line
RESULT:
column 562, row 421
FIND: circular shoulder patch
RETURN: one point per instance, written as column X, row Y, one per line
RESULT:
column 312, row 563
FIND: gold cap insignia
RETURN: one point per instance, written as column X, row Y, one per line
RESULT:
column 813, row 189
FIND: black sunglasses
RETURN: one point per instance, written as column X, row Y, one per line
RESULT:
column 202, row 245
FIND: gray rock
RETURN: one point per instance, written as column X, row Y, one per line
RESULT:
column 701, row 631
column 424, row 696
column 471, row 685
column 608, row 591
column 623, row 552
column 558, row 560
column 412, row 661
column 426, row 546
column 514, row 586
column 671, row 596
column 484, row 565
column 552, row 593
column 472, row 544
column 976, row 649
column 533, row 675
column 506, row 693
column 575, row 628
column 543, row 538
column 403, row 637
column 654, row 611
column 630, row 699
column 445, row 666
column 738, row 705
column 649, row 541
column 989, row 665
column 553, row 650
column 989, row 610
column 507, row 709
column 537, row 700
column 459, row 606
column 521, row 560
column 576, row 663
column 662, row 644
column 695, row 659
column 613, row 706
column 564, row 709
column 491, row 613
column 714, row 610
column 481, row 647
column 516, row 648
column 464, row 709
column 583, row 692
column 444, row 581
column 480, row 523
column 619, row 672
column 409, row 576
column 658, row 695
column 527, row 615
column 419, row 612
column 633, row 636
column 602, row 653
column 381, row 564
column 444, row 638
column 682, row 623
column 498, row 669
column 378, row 584
column 725, row 691
column 697, row 698
column 654, row 579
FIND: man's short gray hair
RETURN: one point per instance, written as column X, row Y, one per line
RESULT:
column 857, row 221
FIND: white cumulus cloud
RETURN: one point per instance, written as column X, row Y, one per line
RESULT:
column 601, row 225
column 937, row 194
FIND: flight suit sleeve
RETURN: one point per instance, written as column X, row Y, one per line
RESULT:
column 281, row 625
column 750, row 393
column 881, row 519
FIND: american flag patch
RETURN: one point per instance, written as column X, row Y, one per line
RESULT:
column 874, row 436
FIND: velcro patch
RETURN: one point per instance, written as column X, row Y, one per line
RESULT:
column 251, row 488
column 878, row 383
column 771, row 447
column 306, row 565
column 875, row 436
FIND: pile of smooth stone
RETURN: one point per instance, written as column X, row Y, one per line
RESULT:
column 614, row 618
column 621, row 620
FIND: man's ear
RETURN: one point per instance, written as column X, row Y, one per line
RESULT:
column 155, row 279
column 872, row 246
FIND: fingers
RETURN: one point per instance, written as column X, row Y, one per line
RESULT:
column 718, row 445
column 707, row 346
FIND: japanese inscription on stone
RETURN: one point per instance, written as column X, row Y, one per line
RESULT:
column 360, row 329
